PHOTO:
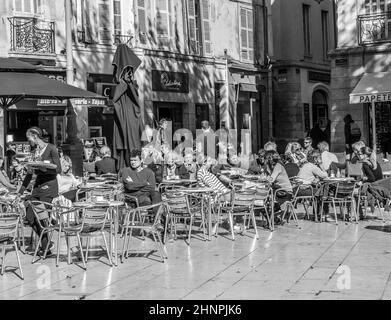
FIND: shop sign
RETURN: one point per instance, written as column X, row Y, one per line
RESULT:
column 51, row 102
column 319, row 77
column 90, row 102
column 170, row 81
column 369, row 98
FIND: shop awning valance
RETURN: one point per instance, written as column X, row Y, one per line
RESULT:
column 11, row 64
column 373, row 87
column 21, row 85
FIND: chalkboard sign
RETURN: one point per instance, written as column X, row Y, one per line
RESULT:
column 100, row 142
column 22, row 147
column 307, row 118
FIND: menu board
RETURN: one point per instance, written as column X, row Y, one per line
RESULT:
column 100, row 142
column 383, row 122
column 22, row 147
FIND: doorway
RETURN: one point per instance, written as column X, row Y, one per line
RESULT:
column 320, row 108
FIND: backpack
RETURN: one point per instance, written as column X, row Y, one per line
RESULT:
column 355, row 130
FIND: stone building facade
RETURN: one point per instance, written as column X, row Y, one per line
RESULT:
column 303, row 33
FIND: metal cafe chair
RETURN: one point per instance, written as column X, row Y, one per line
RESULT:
column 341, row 193
column 8, row 234
column 13, row 207
column 289, row 207
column 92, row 223
column 154, row 228
column 305, row 194
column 46, row 215
column 242, row 204
column 183, row 206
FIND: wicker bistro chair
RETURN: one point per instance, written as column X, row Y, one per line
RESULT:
column 186, row 207
column 242, row 204
column 341, row 193
column 364, row 200
column 131, row 223
column 9, row 225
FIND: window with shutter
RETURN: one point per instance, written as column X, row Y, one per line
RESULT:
column 247, row 34
column 90, row 21
column 142, row 21
column 207, row 42
column 117, row 16
column 28, row 6
column 162, row 19
column 104, row 22
column 194, row 26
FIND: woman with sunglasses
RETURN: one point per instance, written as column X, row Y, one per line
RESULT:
column 47, row 166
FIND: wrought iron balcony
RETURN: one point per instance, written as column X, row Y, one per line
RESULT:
column 29, row 35
column 122, row 39
column 374, row 28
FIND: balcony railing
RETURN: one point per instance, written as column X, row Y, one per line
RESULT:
column 374, row 28
column 29, row 35
column 122, row 39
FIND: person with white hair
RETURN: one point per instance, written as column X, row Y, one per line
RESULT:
column 327, row 157
column 270, row 146
column 107, row 164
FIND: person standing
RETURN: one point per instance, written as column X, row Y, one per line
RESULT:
column 45, row 188
column 352, row 133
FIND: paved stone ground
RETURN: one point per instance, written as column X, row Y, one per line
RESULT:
column 317, row 261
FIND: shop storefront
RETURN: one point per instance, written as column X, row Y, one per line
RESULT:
column 373, row 91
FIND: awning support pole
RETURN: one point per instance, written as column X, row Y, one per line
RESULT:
column 373, row 111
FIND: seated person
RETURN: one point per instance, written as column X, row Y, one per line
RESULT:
column 207, row 179
column 190, row 165
column 279, row 178
column 270, row 146
column 152, row 159
column 327, row 157
column 311, row 172
column 67, row 183
column 307, row 145
column 292, row 169
column 172, row 169
column 370, row 167
column 5, row 185
column 293, row 150
column 139, row 181
column 259, row 165
column 107, row 164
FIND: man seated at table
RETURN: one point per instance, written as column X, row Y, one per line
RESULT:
column 138, row 181
column 107, row 164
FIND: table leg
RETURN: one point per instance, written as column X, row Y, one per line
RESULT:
column 116, row 222
column 210, row 229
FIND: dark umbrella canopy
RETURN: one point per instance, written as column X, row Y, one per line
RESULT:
column 19, row 85
column 128, row 125
column 10, row 64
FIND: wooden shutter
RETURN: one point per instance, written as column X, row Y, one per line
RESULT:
column 243, row 34
column 171, row 18
column 90, row 21
column 250, row 34
column 206, row 26
column 162, row 24
column 104, row 22
column 192, row 22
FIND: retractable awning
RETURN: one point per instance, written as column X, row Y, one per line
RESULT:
column 21, row 85
column 373, row 87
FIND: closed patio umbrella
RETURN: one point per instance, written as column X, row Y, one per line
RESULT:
column 128, row 125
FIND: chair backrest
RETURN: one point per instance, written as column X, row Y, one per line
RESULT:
column 6, row 208
column 177, row 201
column 107, row 193
column 9, row 226
column 345, row 189
column 43, row 210
column 354, row 170
column 244, row 198
column 263, row 193
column 94, row 217
column 161, row 207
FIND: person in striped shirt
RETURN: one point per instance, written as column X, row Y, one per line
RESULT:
column 207, row 179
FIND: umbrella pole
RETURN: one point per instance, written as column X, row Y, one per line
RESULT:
column 373, row 111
